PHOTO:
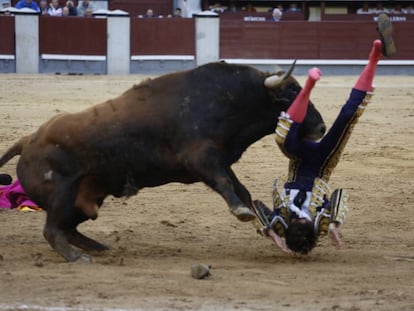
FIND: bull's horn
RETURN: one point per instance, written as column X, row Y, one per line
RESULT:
column 274, row 81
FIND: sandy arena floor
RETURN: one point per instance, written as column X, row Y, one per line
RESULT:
column 157, row 235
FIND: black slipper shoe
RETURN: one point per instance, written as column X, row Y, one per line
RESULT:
column 385, row 30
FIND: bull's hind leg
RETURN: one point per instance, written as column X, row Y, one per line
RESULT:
column 58, row 240
column 78, row 239
column 61, row 231
column 61, row 221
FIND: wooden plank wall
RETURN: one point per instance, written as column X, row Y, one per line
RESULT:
column 167, row 36
column 307, row 40
column 7, row 43
column 238, row 39
column 368, row 17
column 240, row 15
column 72, row 35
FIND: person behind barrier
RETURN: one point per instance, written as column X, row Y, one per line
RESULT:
column 307, row 209
column 27, row 4
column 365, row 9
column 71, row 8
column 379, row 8
column 83, row 6
column 65, row 11
column 177, row 13
column 293, row 8
column 54, row 8
column 88, row 13
column 276, row 15
column 44, row 7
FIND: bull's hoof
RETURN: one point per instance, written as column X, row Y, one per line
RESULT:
column 84, row 258
column 243, row 213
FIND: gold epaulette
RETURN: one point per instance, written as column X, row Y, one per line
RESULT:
column 320, row 191
column 282, row 128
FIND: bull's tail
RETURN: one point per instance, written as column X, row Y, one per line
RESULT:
column 15, row 150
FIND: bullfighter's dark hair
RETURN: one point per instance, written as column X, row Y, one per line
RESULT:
column 301, row 237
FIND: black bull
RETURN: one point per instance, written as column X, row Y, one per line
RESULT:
column 183, row 127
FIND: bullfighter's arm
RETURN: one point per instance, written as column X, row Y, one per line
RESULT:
column 264, row 228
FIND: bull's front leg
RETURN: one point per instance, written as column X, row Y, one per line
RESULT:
column 210, row 169
column 227, row 187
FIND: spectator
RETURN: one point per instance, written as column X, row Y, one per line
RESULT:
column 293, row 7
column 65, row 11
column 380, row 9
column 232, row 7
column 365, row 9
column 83, row 6
column 72, row 8
column 177, row 13
column 276, row 15
column 149, row 14
column 249, row 8
column 217, row 8
column 409, row 9
column 54, row 8
column 43, row 7
column 28, row 4
column 88, row 13
column 398, row 10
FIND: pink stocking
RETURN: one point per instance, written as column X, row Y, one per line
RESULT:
column 364, row 82
column 297, row 110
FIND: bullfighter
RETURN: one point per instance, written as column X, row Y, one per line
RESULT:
column 307, row 208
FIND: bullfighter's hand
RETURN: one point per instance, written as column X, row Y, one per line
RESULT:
column 279, row 242
column 334, row 235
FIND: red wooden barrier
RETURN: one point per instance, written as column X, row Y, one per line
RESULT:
column 307, row 40
column 72, row 35
column 366, row 17
column 7, row 35
column 238, row 39
column 242, row 15
column 166, row 36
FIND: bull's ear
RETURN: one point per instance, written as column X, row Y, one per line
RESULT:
column 274, row 81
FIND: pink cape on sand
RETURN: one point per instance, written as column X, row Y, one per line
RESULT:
column 13, row 196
